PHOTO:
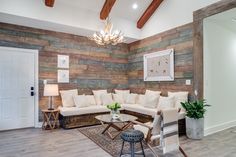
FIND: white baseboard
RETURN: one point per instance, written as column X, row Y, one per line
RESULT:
column 220, row 127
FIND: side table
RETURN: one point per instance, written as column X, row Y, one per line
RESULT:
column 50, row 119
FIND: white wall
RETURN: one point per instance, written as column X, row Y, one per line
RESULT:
column 171, row 14
column 219, row 76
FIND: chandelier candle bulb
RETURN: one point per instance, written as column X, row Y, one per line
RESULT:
column 107, row 36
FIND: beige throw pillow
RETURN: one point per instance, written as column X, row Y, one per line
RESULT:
column 118, row 98
column 67, row 97
column 106, row 99
column 179, row 97
column 150, row 92
column 141, row 99
column 151, row 101
column 81, row 101
column 91, row 100
column 124, row 93
column 166, row 103
column 131, row 98
column 97, row 94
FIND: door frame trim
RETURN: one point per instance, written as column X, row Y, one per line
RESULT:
column 36, row 79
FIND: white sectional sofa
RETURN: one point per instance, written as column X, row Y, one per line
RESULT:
column 80, row 110
column 72, row 111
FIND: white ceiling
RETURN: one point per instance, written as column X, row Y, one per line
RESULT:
column 121, row 8
column 225, row 19
column 81, row 17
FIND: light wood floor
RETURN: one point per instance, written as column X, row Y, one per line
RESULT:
column 71, row 143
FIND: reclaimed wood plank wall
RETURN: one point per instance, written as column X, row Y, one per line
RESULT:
column 102, row 67
column 91, row 66
column 181, row 39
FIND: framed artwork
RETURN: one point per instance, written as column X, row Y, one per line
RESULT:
column 63, row 76
column 159, row 66
column 62, row 61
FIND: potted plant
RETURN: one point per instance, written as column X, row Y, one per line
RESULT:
column 195, row 111
column 114, row 107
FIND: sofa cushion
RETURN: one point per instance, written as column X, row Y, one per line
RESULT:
column 80, row 101
column 91, row 100
column 97, row 94
column 151, row 101
column 118, row 98
column 179, row 97
column 151, row 92
column 141, row 99
column 73, row 111
column 84, row 100
column 67, row 97
column 123, row 93
column 131, row 98
column 165, row 103
column 106, row 99
column 139, row 109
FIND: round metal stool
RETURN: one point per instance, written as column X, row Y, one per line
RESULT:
column 132, row 136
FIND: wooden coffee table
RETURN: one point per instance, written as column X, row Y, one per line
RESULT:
column 124, row 119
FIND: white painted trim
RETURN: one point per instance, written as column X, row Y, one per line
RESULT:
column 220, row 127
column 36, row 88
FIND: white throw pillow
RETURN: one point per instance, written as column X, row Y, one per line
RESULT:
column 141, row 99
column 151, row 101
column 67, row 97
column 179, row 97
column 91, row 100
column 124, row 93
column 107, row 99
column 131, row 98
column 97, row 94
column 81, row 101
column 166, row 103
column 150, row 92
column 118, row 98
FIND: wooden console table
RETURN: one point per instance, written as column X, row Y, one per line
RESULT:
column 50, row 119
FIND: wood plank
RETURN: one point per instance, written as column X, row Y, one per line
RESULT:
column 106, row 9
column 49, row 3
column 148, row 13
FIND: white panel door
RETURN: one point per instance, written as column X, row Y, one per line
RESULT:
column 16, row 79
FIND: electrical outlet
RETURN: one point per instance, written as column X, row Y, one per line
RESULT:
column 188, row 82
column 45, row 81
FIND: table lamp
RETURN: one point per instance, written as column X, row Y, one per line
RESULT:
column 50, row 90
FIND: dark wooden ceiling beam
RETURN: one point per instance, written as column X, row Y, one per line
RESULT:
column 106, row 9
column 148, row 13
column 49, row 3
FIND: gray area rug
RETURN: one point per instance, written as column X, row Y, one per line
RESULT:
column 113, row 147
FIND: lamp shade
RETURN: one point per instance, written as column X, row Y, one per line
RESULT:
column 50, row 90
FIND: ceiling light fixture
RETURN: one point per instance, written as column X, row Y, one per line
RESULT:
column 135, row 6
column 107, row 36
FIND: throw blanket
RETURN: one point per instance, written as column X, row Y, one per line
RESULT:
column 169, row 130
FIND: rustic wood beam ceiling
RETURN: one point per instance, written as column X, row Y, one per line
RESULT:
column 106, row 9
column 49, row 3
column 148, row 13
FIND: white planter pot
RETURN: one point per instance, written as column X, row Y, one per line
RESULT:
column 194, row 128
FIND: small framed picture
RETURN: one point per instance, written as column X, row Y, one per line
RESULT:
column 63, row 76
column 63, row 61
